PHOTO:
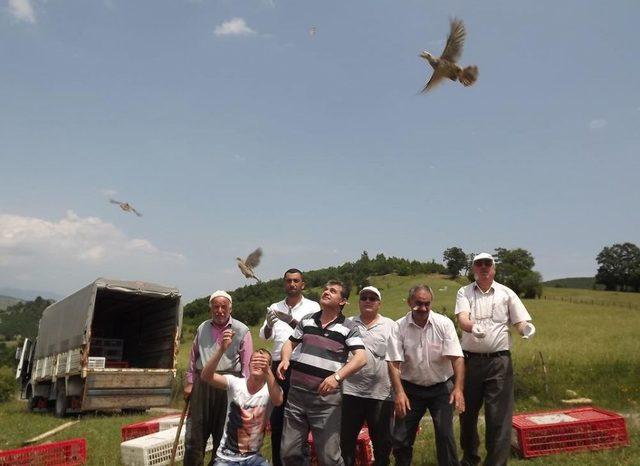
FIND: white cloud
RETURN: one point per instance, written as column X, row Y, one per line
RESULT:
column 598, row 123
column 234, row 27
column 22, row 10
column 28, row 243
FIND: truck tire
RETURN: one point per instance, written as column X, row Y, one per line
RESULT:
column 61, row 402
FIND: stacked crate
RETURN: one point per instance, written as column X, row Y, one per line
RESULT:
column 109, row 348
column 140, row 429
column 154, row 449
column 538, row 434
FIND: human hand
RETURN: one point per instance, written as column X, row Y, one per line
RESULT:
column 402, row 405
column 272, row 318
column 528, row 331
column 227, row 338
column 328, row 385
column 282, row 369
column 477, row 331
column 457, row 397
column 187, row 391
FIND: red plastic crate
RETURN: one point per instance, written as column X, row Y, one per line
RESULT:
column 545, row 433
column 140, row 429
column 364, row 449
column 67, row 453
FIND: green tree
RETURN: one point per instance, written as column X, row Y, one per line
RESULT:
column 456, row 260
column 619, row 267
column 514, row 268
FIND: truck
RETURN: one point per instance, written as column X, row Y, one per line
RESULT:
column 111, row 345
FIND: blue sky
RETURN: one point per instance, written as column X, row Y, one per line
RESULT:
column 230, row 127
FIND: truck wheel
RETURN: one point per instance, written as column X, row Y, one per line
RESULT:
column 61, row 402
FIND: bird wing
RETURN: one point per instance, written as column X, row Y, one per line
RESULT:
column 136, row 212
column 253, row 259
column 113, row 201
column 455, row 41
column 436, row 78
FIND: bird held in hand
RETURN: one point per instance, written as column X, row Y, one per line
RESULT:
column 126, row 207
column 446, row 66
column 246, row 266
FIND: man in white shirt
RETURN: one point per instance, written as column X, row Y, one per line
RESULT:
column 249, row 403
column 282, row 318
column 485, row 309
column 427, row 372
column 367, row 395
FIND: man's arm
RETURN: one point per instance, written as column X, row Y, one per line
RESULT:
column 246, row 350
column 357, row 362
column 402, row 404
column 463, row 311
column 285, row 357
column 456, row 395
column 209, row 370
column 191, row 368
column 275, row 392
column 464, row 321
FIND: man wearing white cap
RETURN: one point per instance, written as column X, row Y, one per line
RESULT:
column 366, row 395
column 208, row 405
column 485, row 309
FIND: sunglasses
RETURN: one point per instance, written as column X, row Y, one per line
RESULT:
column 369, row 298
column 484, row 262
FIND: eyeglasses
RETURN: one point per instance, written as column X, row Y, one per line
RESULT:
column 368, row 298
column 483, row 262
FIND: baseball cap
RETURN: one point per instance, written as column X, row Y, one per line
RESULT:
column 483, row 255
column 373, row 289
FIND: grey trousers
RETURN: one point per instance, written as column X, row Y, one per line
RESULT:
column 207, row 413
column 435, row 398
column 488, row 380
column 322, row 415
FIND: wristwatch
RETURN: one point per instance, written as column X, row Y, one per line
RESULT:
column 337, row 377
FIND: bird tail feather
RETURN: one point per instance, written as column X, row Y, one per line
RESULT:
column 468, row 75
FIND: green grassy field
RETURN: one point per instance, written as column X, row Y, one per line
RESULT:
column 587, row 339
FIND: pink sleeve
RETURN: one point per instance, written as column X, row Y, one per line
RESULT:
column 193, row 357
column 245, row 353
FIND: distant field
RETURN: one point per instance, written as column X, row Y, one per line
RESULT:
column 587, row 283
column 588, row 340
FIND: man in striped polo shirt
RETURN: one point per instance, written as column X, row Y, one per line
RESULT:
column 315, row 398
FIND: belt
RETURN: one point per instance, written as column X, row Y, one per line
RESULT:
column 469, row 354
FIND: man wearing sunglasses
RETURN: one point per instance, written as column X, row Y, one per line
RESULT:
column 366, row 395
column 427, row 372
column 485, row 309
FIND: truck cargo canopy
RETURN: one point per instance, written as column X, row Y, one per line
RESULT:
column 64, row 324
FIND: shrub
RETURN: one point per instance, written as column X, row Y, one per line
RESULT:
column 7, row 384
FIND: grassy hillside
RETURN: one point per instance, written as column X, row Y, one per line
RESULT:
column 587, row 283
column 6, row 301
column 587, row 339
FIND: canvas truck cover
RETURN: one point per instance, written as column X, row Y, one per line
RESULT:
column 64, row 324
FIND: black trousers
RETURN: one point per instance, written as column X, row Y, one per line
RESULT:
column 379, row 417
column 277, row 415
column 207, row 413
column 488, row 380
column 435, row 398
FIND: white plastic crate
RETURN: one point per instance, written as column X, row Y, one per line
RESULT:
column 96, row 362
column 154, row 449
column 168, row 422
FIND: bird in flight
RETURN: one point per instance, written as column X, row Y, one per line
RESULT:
column 126, row 207
column 312, row 31
column 246, row 266
column 446, row 65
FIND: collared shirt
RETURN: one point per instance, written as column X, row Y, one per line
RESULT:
column 424, row 351
column 282, row 331
column 494, row 311
column 323, row 350
column 245, row 349
column 372, row 381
